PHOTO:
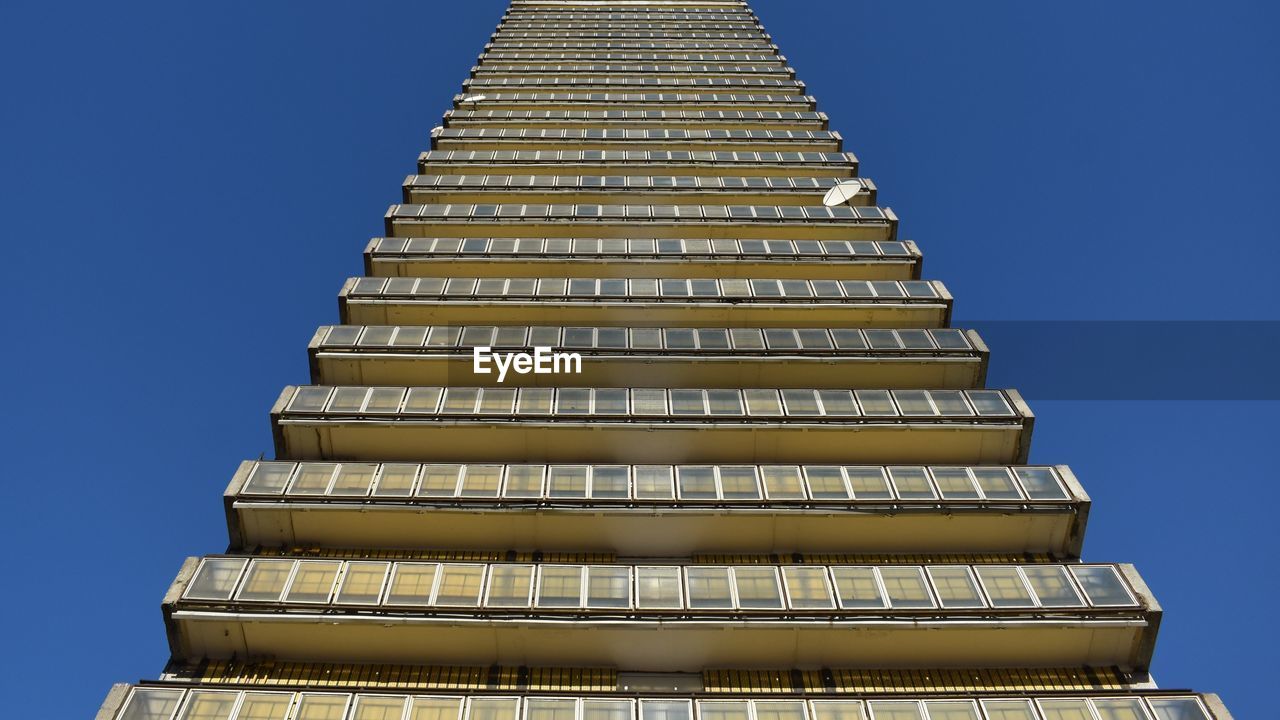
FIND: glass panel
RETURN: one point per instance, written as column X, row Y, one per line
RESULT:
column 944, row 710
column 757, row 587
column 610, row 481
column 347, row 399
column 265, row 580
column 696, row 482
column 354, row 479
column 825, row 482
column 990, row 403
column 608, row 587
column 779, row 709
column 534, row 401
column 497, row 401
column 524, row 481
column 1052, row 586
column 480, row 481
column 955, row 484
column 723, row 710
column 264, row 706
column 610, row 401
column 895, row 710
column 654, row 482
column 709, row 588
column 215, row 579
column 309, row 399
column 1041, row 483
column 396, row 480
column 1008, row 710
column 606, row 710
column 560, row 586
column 801, row 402
column 838, row 710
column 459, row 401
column 648, row 402
column 763, row 403
column 268, row 478
column 1004, row 586
column 996, row 483
column 808, row 588
column 688, row 402
column 1066, row 709
column 312, row 581
column 209, row 705
column 856, row 587
column 459, row 585
column 912, row 483
column 955, row 587
column 1177, row 709
column 492, row 708
column 1120, row 709
column 550, row 709
column 509, row 585
column 312, row 478
column 439, row 480
column 411, row 584
column 868, row 482
column 435, row 708
column 1102, row 585
column 151, row 704
column 373, row 707
column 567, row 481
column 362, row 583
column 914, row 402
column 906, row 587
column 422, row 400
column 782, row 482
column 738, row 482
column 950, row 402
column 658, row 588
column 313, row 706
column 725, row 402
column 875, row 402
column 664, row 710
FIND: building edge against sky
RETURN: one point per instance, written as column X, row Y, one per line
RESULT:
column 779, row 490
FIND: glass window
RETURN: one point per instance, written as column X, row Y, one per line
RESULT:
column 951, row 710
column 1008, row 710
column 782, row 482
column 801, row 402
column 914, row 402
column 857, row 588
column 459, row 585
column 312, row 581
column 996, row 483
column 955, row 484
column 316, row 706
column 738, row 482
column 607, row 710
column 480, row 481
column 268, row 478
column 550, row 708
column 492, row 708
column 709, row 588
column 509, row 585
column 309, row 399
column 808, row 588
column 265, row 580
column 396, row 480
column 645, row 401
column 713, row 339
column 906, row 587
column 567, row 481
column 215, row 579
column 411, row 584
column 779, row 709
column 1004, row 586
column 384, row 400
column 837, row 710
column 654, row 482
column 460, row 401
column 825, row 482
column 688, row 402
column 439, row 480
column 610, row 401
column 723, row 710
column 608, row 586
column 422, row 400
column 1129, row 708
column 955, row 587
column 1065, row 709
column 376, row 707
column 1183, row 708
column 312, row 478
column 354, row 479
column 1052, row 586
column 560, row 586
column 876, row 403
column 950, row 402
column 725, row 402
column 868, row 482
column 151, row 704
column 1102, row 585
column 664, row 710
column 524, row 481
column 1041, row 483
column 209, row 705
column 646, row 338
column 610, row 482
column 757, row 587
column 264, row 706
column 747, row 338
column 912, row 483
column 762, row 403
column 990, row 403
column 658, row 588
column 435, row 708
column 362, row 583
column 696, row 482
column 895, row 710
column 534, row 401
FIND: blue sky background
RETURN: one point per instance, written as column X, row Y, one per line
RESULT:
column 184, row 186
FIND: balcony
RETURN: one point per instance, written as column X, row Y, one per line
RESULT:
column 170, row 701
column 639, row 162
column 661, row 617
column 625, row 257
column 620, row 139
column 573, row 83
column 646, row 302
column 499, row 58
column 650, row 425
column 813, row 222
column 663, row 70
column 670, row 357
column 642, row 119
column 659, row 510
column 633, row 189
column 548, row 100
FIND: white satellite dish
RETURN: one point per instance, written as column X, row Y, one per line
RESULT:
column 843, row 193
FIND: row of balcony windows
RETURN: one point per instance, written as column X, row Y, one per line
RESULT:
column 589, row 33
column 645, row 247
column 692, row 115
column 711, row 57
column 658, row 213
column 622, row 14
column 627, row 68
column 657, row 483
column 851, row 588
column 623, row 98
column 639, row 135
column 753, row 341
column 724, row 404
column 169, row 703
column 640, row 156
column 651, row 289
column 479, row 83
column 813, row 186
column 713, row 28
column 631, row 45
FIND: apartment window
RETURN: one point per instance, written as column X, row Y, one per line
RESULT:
column 492, row 708
column 955, row 484
column 906, row 587
column 480, row 481
column 215, row 579
column 509, row 586
column 723, row 710
column 439, row 480
column 1187, row 708
column 895, row 710
column 857, row 588
column 560, row 586
column 607, row 710
column 808, row 588
column 268, row 478
column 868, row 483
column 208, row 705
column 654, row 482
column 709, row 588
column 459, row 585
column 435, row 708
column 550, row 709
column 825, row 482
column 665, row 710
column 1120, row 708
column 610, row 482
column 955, row 587
column 567, row 481
column 1065, row 709
column 411, row 584
column 396, row 480
column 951, row 710
column 782, row 482
column 362, row 583
column 375, row 707
column 658, row 588
column 1005, row 587
column 151, row 704
column 608, row 587
column 312, row 581
column 1102, row 585
column 1009, row 710
column 264, row 706
column 837, row 710
column 265, row 580
column 757, row 588
column 1052, row 586
column 321, row 706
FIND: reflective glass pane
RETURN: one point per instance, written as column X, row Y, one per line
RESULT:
column 550, row 709
column 459, row 585
column 996, row 483
column 312, row 478
column 837, row 710
column 215, row 579
column 723, row 710
column 1041, row 483
column 868, row 482
column 1065, row 709
column 1177, row 709
column 955, row 587
column 362, row 583
column 779, row 709
column 738, row 482
column 265, row 580
column 1102, row 585
column 911, row 483
column 825, row 482
column 782, row 482
column 151, row 704
column 648, row 401
column 509, row 585
column 808, row 588
column 264, row 706
column 353, row 479
column 1004, row 586
column 524, row 481
column 709, row 588
column 567, row 481
column 608, row 586
column 411, row 584
column 1008, row 710
column 1120, row 709
column 209, row 705
column 268, row 478
column 949, row 710
column 757, row 587
column 439, row 480
column 658, row 588
column 435, row 708
column 396, row 480
column 606, row 710
column 664, row 710
column 610, row 482
column 373, row 707
column 312, row 581
column 654, row 482
column 560, row 586
column 1052, row 586
column 856, row 587
column 895, row 710
column 492, row 708
column 955, row 483
column 696, row 482
column 314, row 706
column 763, row 403
column 906, row 587
column 480, row 481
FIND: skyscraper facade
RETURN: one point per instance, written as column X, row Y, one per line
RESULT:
column 643, row 410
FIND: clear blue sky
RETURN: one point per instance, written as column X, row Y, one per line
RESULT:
column 184, row 187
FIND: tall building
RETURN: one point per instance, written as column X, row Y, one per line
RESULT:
column 754, row 474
